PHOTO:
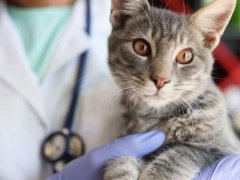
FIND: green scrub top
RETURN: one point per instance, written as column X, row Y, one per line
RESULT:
column 40, row 30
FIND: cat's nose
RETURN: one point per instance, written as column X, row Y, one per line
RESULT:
column 159, row 81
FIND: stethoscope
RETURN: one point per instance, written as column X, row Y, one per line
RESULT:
column 63, row 146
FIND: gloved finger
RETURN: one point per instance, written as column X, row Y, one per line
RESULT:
column 136, row 145
column 226, row 168
column 90, row 165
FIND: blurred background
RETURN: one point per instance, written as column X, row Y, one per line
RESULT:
column 226, row 71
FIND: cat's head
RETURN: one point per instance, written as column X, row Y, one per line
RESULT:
column 159, row 56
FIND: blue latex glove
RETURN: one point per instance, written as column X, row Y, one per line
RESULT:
column 227, row 168
column 91, row 165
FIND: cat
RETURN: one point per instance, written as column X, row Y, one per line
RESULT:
column 162, row 61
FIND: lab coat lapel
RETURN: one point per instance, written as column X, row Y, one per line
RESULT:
column 15, row 71
column 14, row 68
column 74, row 41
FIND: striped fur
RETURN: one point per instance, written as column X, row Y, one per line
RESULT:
column 190, row 109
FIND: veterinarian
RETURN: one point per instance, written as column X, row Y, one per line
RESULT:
column 43, row 45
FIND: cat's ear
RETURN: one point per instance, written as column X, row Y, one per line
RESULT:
column 212, row 21
column 124, row 9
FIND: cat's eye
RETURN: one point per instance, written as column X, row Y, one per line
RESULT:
column 141, row 47
column 185, row 56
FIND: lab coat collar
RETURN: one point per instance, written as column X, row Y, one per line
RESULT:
column 15, row 70
column 74, row 41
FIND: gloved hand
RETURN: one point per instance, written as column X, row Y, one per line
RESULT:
column 228, row 168
column 91, row 165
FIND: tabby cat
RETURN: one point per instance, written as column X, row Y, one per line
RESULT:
column 162, row 61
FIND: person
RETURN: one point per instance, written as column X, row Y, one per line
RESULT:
column 40, row 45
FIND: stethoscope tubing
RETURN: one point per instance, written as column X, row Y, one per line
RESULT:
column 76, row 93
column 66, row 133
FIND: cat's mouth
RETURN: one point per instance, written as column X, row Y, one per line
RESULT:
column 154, row 100
column 156, row 96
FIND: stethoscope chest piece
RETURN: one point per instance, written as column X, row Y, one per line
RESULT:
column 61, row 147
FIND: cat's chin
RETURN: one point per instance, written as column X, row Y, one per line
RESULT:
column 155, row 101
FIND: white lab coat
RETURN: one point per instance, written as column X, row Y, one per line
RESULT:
column 30, row 110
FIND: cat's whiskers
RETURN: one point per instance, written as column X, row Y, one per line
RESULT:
column 129, row 10
column 130, row 92
column 130, row 104
column 128, row 82
column 184, row 15
column 188, row 29
column 152, row 12
column 123, row 80
column 213, row 98
column 182, row 103
column 185, row 22
column 209, row 110
column 178, row 104
column 192, row 119
column 148, row 17
column 108, row 98
column 165, row 8
column 194, row 97
column 225, row 79
column 187, row 104
column 197, row 93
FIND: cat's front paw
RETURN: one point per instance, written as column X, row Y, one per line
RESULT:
column 123, row 168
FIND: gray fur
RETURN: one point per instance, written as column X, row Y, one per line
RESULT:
column 190, row 109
